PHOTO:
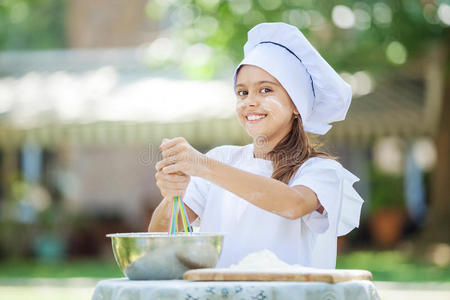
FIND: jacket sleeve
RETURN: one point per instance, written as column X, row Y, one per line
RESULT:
column 333, row 186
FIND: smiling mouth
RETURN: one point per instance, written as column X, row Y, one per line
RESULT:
column 252, row 118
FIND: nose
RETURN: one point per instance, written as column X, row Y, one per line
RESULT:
column 251, row 100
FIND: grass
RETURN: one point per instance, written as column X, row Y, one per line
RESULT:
column 93, row 268
column 394, row 266
column 385, row 266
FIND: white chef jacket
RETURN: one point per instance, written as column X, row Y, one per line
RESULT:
column 309, row 241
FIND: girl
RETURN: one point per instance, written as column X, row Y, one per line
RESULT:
column 278, row 193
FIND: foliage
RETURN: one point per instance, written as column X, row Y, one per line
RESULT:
column 95, row 268
column 30, row 222
column 384, row 34
column 32, row 24
column 386, row 190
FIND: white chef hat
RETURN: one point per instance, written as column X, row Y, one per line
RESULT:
column 319, row 93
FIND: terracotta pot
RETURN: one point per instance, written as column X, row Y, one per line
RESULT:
column 386, row 226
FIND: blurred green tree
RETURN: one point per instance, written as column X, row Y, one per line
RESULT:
column 351, row 35
column 32, row 24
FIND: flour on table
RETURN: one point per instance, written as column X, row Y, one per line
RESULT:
column 264, row 259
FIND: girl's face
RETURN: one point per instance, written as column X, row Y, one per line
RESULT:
column 263, row 106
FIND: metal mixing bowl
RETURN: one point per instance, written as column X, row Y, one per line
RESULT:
column 153, row 256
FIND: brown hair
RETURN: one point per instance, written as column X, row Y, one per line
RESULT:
column 292, row 151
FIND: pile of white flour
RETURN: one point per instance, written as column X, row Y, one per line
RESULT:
column 264, row 259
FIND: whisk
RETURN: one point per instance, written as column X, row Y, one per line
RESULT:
column 177, row 206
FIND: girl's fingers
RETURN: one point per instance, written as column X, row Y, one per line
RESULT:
column 165, row 162
column 172, row 194
column 172, row 168
column 171, row 189
column 174, row 150
column 166, row 144
column 160, row 164
column 171, row 177
column 172, row 186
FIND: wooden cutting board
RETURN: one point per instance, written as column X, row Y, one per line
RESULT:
column 294, row 274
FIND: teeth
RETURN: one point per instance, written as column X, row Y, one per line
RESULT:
column 255, row 117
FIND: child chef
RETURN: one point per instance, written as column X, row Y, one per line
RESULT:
column 279, row 193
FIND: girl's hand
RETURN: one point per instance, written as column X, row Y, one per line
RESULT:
column 180, row 157
column 172, row 185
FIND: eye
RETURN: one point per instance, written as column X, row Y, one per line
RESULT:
column 241, row 93
column 265, row 90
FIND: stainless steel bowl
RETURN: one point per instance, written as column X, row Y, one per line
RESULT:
column 154, row 256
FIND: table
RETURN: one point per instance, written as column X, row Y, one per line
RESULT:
column 122, row 288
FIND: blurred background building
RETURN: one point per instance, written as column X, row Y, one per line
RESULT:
column 88, row 89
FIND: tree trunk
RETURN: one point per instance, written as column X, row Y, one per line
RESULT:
column 439, row 215
column 437, row 229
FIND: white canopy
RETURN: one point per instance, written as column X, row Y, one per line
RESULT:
column 42, row 98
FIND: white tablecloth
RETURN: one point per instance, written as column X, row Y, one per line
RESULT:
column 122, row 288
